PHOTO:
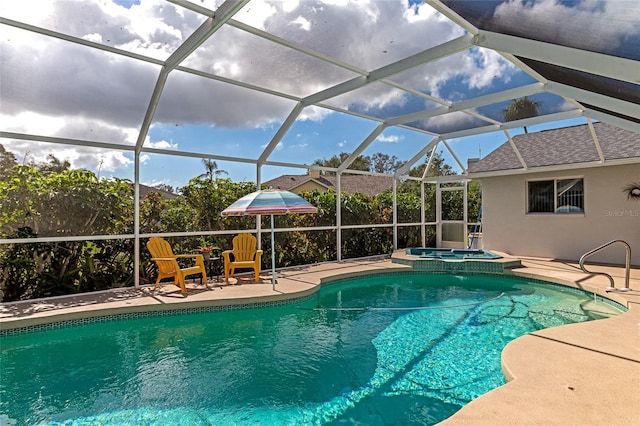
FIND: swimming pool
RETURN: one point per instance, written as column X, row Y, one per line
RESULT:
column 393, row 349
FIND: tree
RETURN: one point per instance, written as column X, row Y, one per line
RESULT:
column 521, row 108
column 209, row 197
column 72, row 202
column 439, row 167
column 53, row 165
column 165, row 187
column 68, row 203
column 212, row 170
column 360, row 163
column 7, row 161
column 383, row 163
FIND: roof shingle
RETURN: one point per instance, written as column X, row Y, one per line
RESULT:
column 569, row 145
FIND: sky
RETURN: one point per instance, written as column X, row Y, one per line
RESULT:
column 55, row 88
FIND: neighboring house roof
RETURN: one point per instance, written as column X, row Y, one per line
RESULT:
column 292, row 182
column 364, row 184
column 569, row 145
column 144, row 190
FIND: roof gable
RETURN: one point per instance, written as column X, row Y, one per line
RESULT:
column 291, row 182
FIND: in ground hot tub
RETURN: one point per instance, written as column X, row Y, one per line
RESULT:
column 453, row 254
column 454, row 260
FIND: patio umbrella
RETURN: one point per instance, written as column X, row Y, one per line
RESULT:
column 271, row 202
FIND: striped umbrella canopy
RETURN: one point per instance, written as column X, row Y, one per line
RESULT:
column 271, row 202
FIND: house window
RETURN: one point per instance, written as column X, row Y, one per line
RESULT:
column 556, row 196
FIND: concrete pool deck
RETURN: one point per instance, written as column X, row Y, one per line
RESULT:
column 578, row 374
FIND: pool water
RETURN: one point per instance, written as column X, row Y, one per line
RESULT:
column 408, row 349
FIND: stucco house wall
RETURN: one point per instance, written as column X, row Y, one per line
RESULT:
column 608, row 215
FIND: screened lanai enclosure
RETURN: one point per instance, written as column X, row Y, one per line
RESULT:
column 128, row 119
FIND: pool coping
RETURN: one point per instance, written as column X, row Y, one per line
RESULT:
column 586, row 373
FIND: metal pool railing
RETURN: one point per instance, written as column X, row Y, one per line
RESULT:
column 627, row 267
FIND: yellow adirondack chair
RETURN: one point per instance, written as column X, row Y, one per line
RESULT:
column 168, row 266
column 244, row 254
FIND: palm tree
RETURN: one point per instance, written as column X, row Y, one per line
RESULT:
column 521, row 108
column 212, row 170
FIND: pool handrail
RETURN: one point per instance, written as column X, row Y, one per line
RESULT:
column 627, row 264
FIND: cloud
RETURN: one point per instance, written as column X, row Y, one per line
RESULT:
column 389, row 138
column 302, row 22
column 70, row 127
column 111, row 160
column 144, row 158
column 617, row 21
column 103, row 86
column 279, row 146
column 493, row 66
column 314, row 113
column 162, row 144
column 257, row 13
column 82, row 157
column 58, row 79
column 449, row 122
column 299, row 145
column 56, row 88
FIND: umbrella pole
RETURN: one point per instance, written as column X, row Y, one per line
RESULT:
column 273, row 257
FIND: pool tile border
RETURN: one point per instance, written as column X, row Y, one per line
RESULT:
column 148, row 314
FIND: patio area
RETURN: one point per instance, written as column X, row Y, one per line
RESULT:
column 586, row 373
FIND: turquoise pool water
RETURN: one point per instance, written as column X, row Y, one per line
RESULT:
column 406, row 349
